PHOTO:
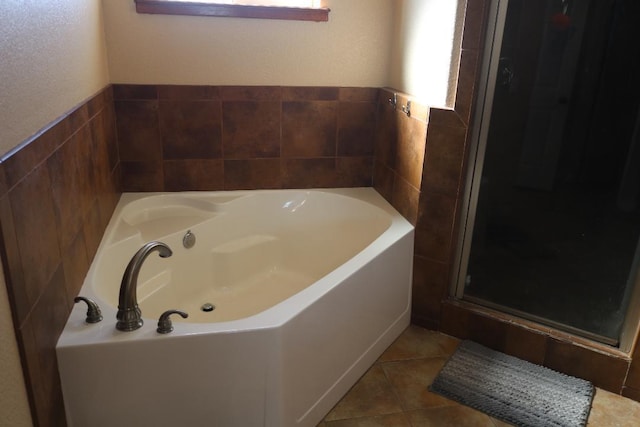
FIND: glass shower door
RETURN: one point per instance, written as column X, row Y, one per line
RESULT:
column 554, row 203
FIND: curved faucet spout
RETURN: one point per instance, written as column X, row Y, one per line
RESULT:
column 129, row 315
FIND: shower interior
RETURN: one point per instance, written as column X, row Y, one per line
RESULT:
column 553, row 204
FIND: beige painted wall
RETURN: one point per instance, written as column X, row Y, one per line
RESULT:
column 426, row 48
column 352, row 49
column 410, row 45
column 53, row 57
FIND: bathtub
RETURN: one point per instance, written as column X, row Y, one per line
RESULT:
column 309, row 288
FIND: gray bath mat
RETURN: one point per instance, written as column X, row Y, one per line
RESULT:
column 513, row 390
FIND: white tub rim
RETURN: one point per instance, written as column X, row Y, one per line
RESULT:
column 105, row 332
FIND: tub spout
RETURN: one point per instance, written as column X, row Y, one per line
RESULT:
column 129, row 315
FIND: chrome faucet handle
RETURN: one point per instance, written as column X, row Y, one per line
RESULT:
column 94, row 315
column 164, row 323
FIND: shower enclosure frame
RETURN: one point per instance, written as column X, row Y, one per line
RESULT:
column 489, row 69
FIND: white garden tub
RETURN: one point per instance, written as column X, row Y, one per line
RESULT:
column 309, row 287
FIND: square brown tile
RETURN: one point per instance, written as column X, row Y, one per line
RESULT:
column 391, row 420
column 47, row 319
column 309, row 173
column 358, row 94
column 96, row 103
column 75, row 266
column 371, row 396
column 309, row 129
column 356, row 127
column 193, row 175
column 133, row 91
column 250, row 93
column 138, row 130
column 108, row 127
column 525, row 344
column 35, row 380
column 631, row 393
column 309, row 93
column 467, row 77
column 188, row 93
column 633, row 376
column 74, row 120
column 251, row 129
column 450, row 416
column 108, row 199
column 430, row 286
column 488, row 331
column 445, row 117
column 72, row 184
column 436, row 214
column 410, row 380
column 603, row 370
column 386, row 135
column 474, row 24
column 405, row 199
column 142, row 176
column 410, row 149
column 418, row 343
column 455, row 321
column 354, row 171
column 252, row 174
column 34, row 221
column 383, row 178
column 4, row 185
column 105, row 187
column 444, row 159
column 610, row 409
column 102, row 143
column 93, row 229
column 191, row 129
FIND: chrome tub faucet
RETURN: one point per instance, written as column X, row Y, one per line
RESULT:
column 129, row 315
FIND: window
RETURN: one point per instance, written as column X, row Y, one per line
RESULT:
column 301, row 10
column 313, row 4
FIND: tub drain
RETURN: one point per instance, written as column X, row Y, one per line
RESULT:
column 206, row 307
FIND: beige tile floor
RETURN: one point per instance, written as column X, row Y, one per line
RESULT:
column 394, row 392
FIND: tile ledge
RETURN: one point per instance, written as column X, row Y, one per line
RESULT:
column 561, row 336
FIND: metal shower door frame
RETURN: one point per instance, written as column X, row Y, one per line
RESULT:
column 487, row 85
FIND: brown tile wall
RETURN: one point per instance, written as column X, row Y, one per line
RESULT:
column 631, row 387
column 57, row 193
column 437, row 223
column 246, row 137
column 400, row 150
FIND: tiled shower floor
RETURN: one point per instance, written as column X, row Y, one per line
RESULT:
column 394, row 392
